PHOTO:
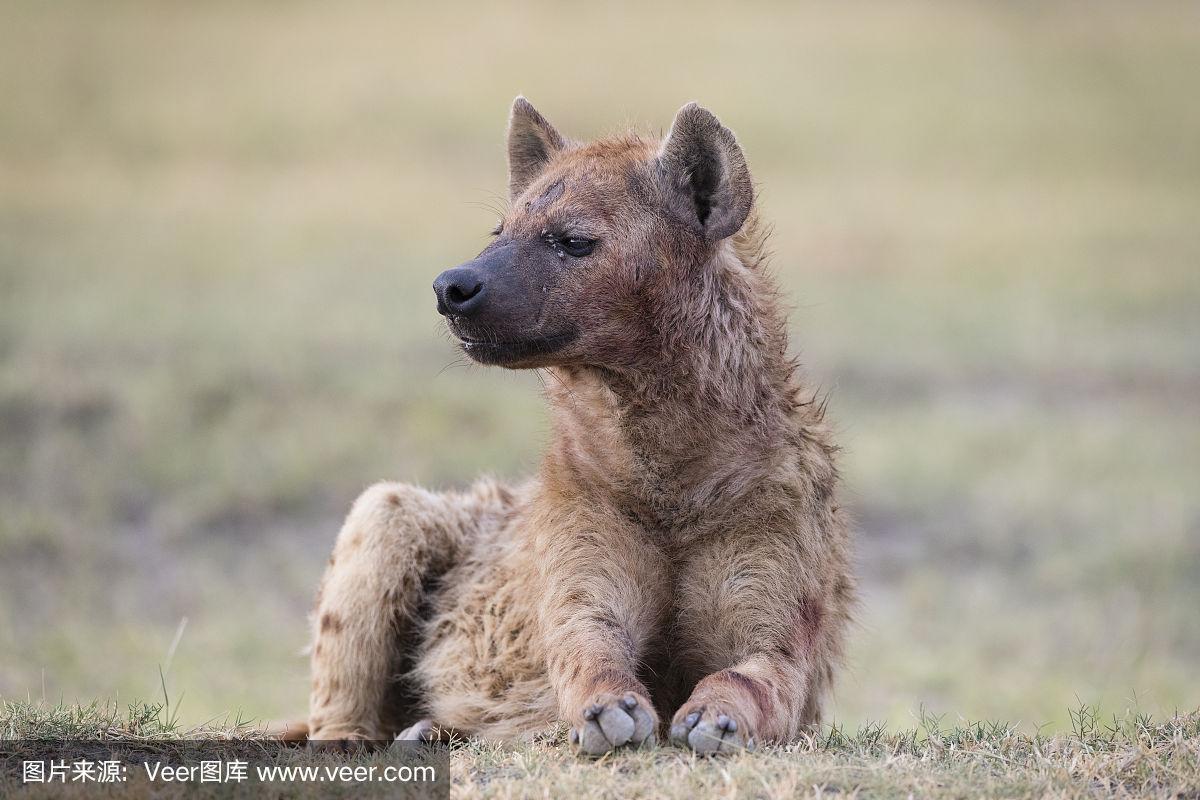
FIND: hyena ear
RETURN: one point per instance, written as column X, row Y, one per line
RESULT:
column 704, row 174
column 532, row 142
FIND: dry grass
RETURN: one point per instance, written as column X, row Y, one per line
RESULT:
column 1133, row 756
column 1129, row 758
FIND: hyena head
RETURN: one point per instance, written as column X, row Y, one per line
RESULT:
column 601, row 246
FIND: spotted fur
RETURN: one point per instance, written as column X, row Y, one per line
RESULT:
column 680, row 564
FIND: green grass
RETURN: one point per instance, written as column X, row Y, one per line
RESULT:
column 151, row 734
column 1128, row 756
column 218, row 226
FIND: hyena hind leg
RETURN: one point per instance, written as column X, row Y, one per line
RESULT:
column 397, row 540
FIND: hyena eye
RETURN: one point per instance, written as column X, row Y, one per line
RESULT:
column 577, row 246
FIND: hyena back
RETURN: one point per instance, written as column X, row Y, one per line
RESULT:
column 680, row 565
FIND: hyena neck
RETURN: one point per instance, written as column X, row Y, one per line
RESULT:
column 705, row 421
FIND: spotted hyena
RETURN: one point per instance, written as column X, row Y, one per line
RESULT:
column 679, row 566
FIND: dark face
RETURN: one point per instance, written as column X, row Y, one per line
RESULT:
column 558, row 283
column 592, row 260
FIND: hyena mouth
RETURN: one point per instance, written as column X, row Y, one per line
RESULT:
column 495, row 351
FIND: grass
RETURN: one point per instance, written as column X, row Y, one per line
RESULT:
column 1130, row 756
column 218, row 225
column 150, row 735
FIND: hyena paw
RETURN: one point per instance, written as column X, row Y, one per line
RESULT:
column 427, row 731
column 709, row 729
column 421, row 731
column 614, row 721
column 334, row 740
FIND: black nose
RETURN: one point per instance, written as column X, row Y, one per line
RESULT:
column 459, row 291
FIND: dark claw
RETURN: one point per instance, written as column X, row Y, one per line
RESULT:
column 591, row 712
column 574, row 736
column 726, row 724
column 692, row 718
column 629, row 701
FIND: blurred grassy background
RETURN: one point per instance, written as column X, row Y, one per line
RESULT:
column 219, row 222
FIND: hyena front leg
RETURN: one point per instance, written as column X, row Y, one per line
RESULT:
column 603, row 594
column 395, row 538
column 764, row 630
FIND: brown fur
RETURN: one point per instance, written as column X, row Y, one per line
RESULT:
column 682, row 542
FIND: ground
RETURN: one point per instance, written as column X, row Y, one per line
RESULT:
column 1122, row 757
column 219, row 223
